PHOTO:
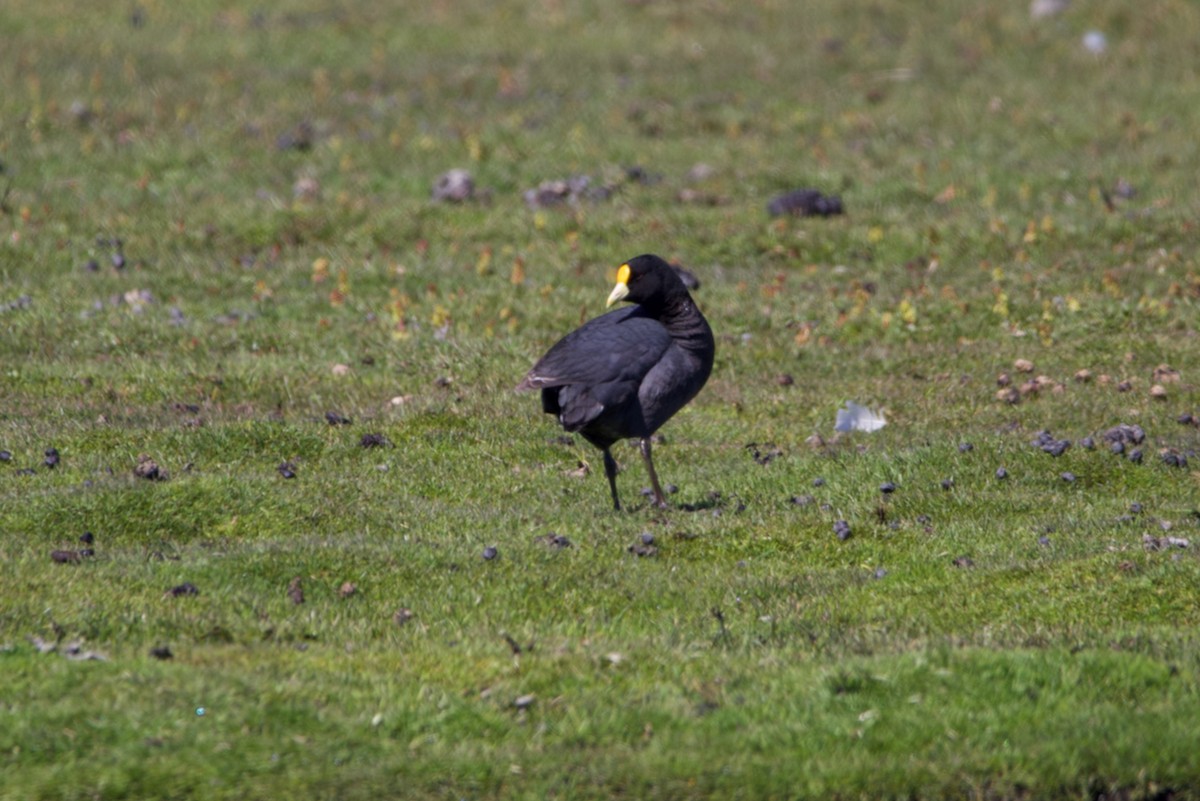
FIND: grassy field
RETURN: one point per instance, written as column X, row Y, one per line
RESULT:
column 334, row 555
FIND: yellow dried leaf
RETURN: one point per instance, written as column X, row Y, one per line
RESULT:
column 484, row 265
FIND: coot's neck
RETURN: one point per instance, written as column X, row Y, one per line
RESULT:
column 686, row 324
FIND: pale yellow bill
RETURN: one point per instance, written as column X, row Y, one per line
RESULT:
column 622, row 287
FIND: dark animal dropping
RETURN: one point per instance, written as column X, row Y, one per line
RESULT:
column 1172, row 459
column 625, row 373
column 642, row 549
column 1126, row 434
column 554, row 540
column 805, row 203
column 842, row 529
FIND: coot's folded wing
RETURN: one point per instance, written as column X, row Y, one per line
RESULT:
column 619, row 347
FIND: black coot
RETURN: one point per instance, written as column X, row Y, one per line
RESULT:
column 627, row 372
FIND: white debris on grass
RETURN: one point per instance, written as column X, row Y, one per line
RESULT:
column 858, row 418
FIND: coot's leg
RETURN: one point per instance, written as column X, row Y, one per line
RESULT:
column 610, row 470
column 659, row 500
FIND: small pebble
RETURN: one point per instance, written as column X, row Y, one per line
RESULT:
column 965, row 447
column 490, row 553
column 1135, row 456
column 1001, row 473
column 887, row 488
column 52, row 458
column 1087, row 443
column 5, row 456
column 1135, row 508
column 842, row 529
column 1068, row 477
column 818, row 482
column 1118, row 448
column 455, row 186
column 947, row 484
column 87, row 538
column 1043, row 540
column 1095, row 42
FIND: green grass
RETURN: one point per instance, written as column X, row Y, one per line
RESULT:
column 996, row 639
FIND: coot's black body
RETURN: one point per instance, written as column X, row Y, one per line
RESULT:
column 627, row 372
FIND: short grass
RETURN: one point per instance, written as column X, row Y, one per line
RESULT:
column 267, row 172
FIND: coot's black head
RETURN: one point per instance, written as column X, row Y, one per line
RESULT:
column 649, row 281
